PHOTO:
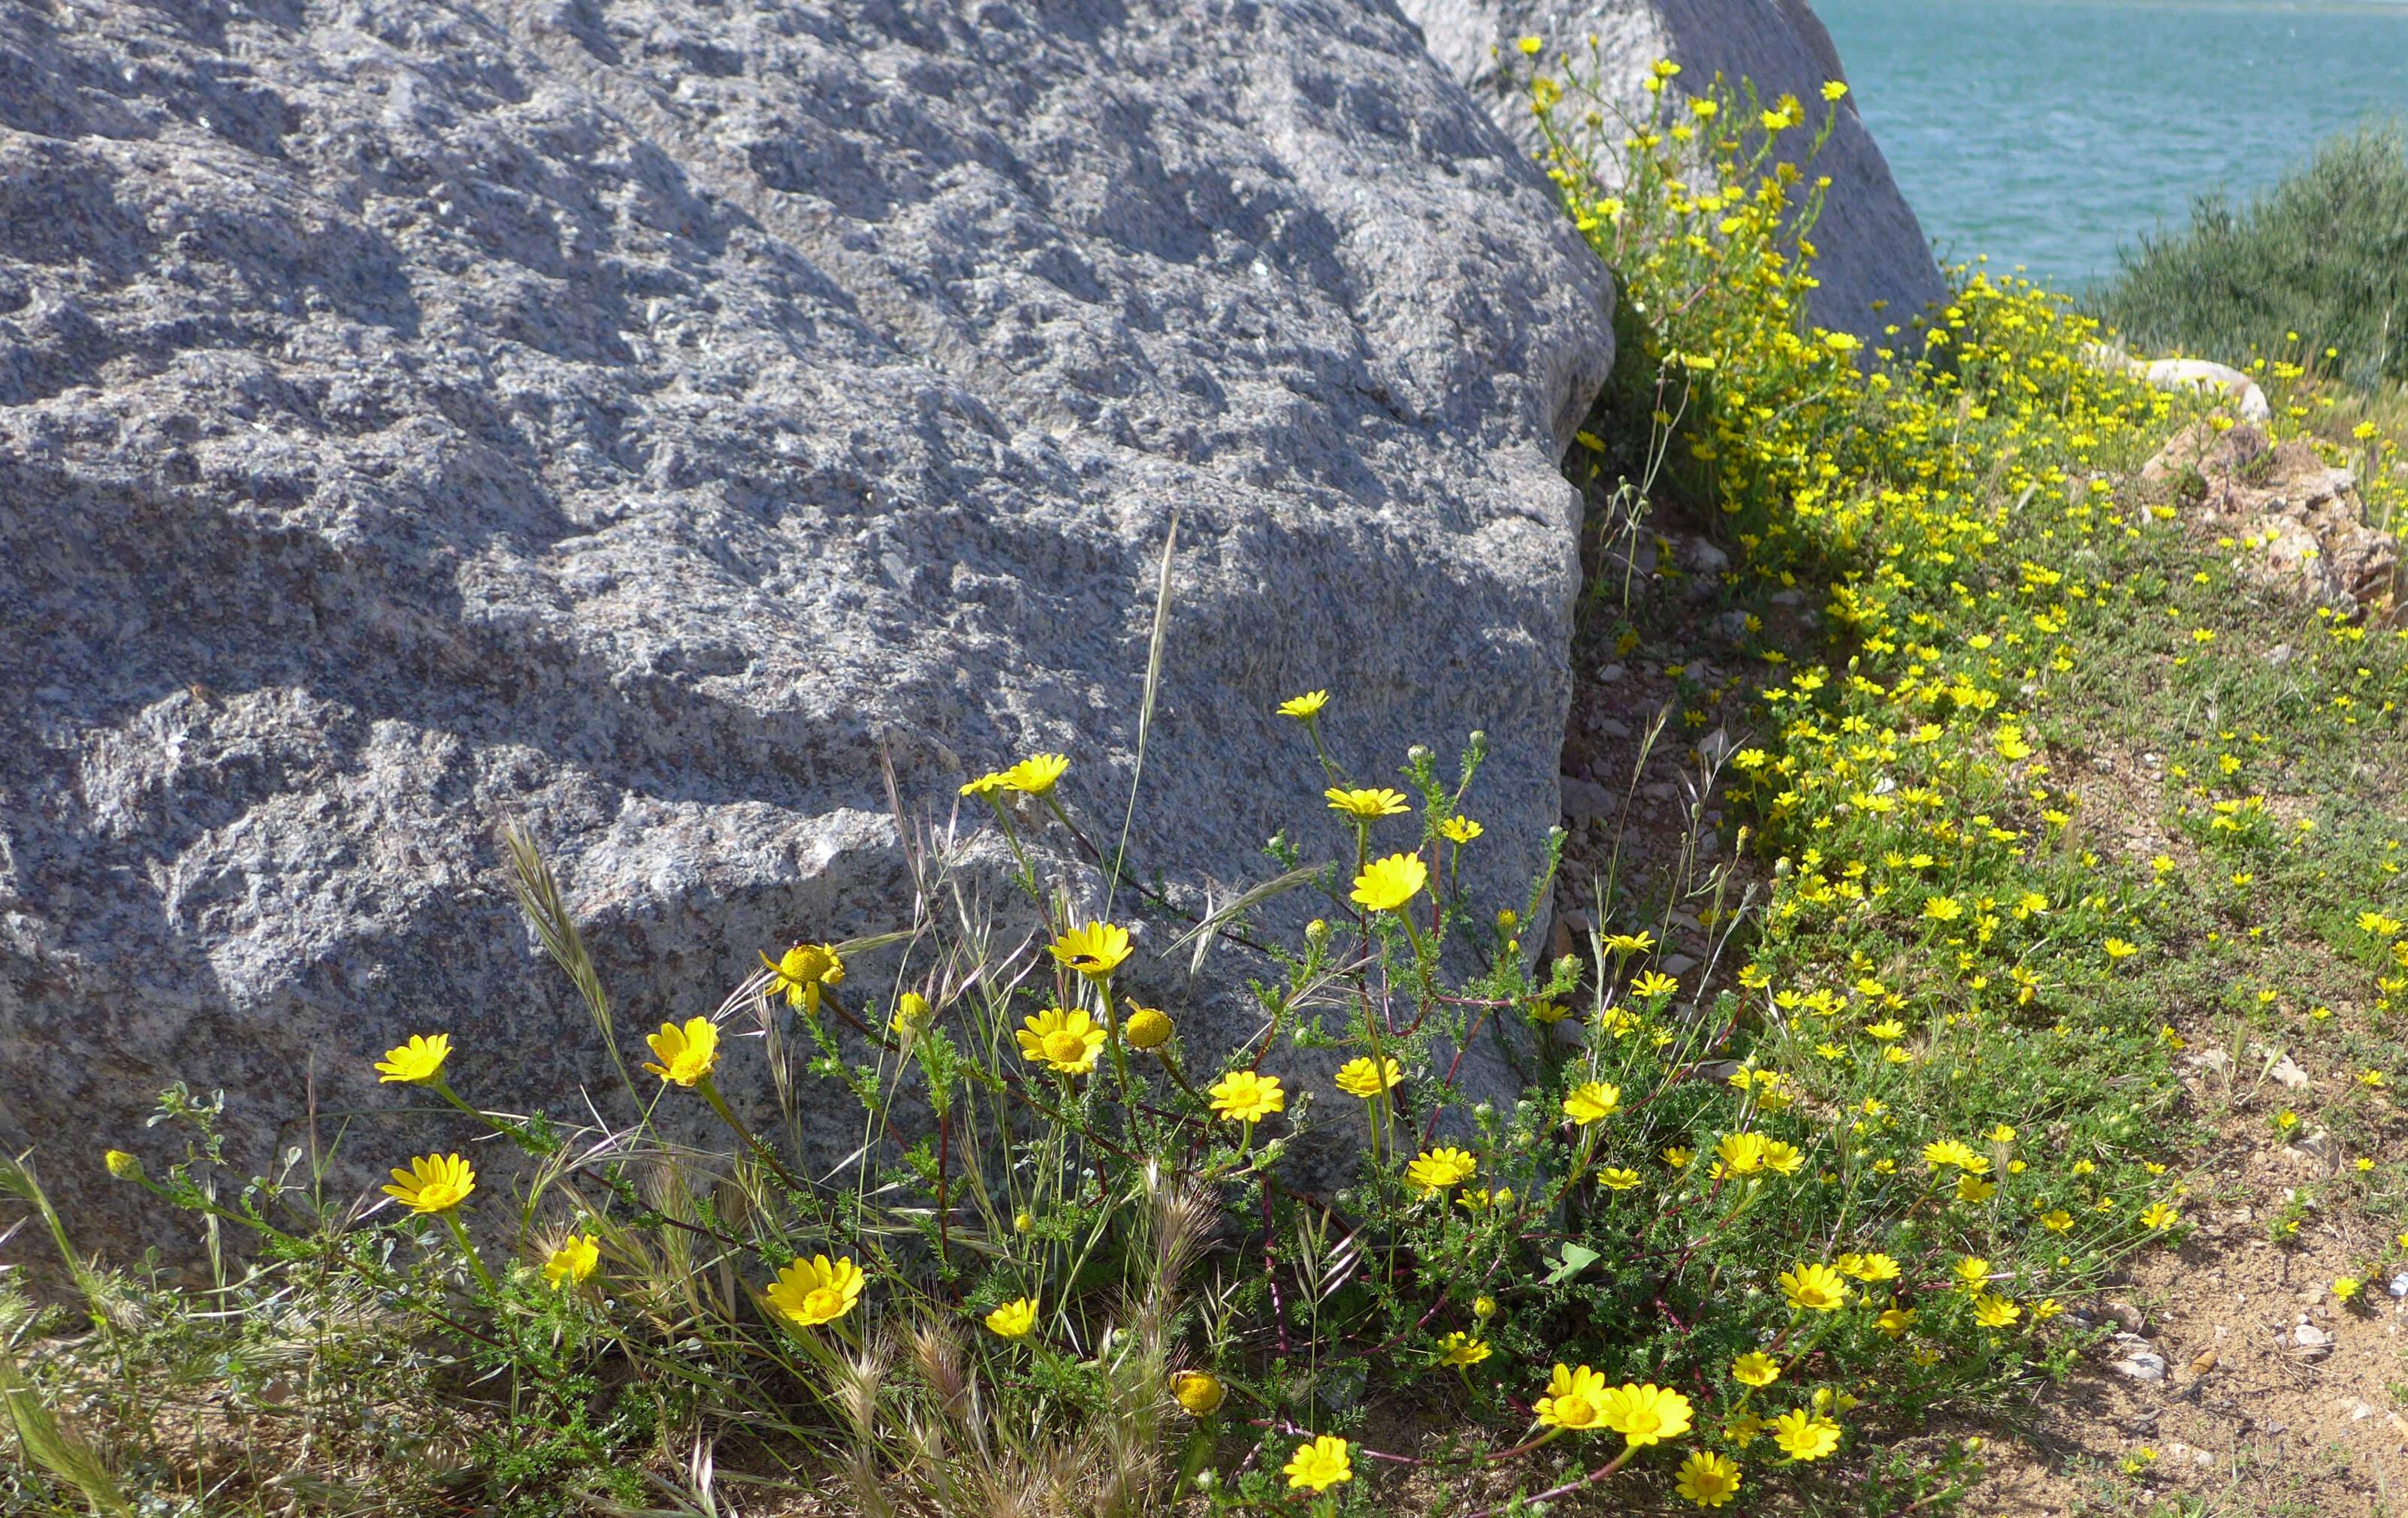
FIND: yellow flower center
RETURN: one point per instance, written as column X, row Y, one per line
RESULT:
column 1574, row 1412
column 439, row 1195
column 824, row 1303
column 1064, row 1047
column 1644, row 1424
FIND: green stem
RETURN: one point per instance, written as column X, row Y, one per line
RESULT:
column 460, row 1235
column 709, row 1092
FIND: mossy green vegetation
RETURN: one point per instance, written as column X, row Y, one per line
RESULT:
column 1784, row 1220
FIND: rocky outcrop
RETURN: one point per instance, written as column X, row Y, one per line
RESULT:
column 1875, row 263
column 2299, row 526
column 646, row 420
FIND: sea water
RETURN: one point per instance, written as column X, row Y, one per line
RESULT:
column 2052, row 133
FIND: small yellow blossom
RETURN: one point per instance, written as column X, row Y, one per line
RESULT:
column 1244, row 1097
column 1814, row 1287
column 573, row 1263
column 1366, row 1078
column 1094, row 951
column 1147, row 1027
column 1592, row 1101
column 1436, row 1169
column 1319, row 1466
column 1036, row 774
column 1642, row 1415
column 815, row 1290
column 1307, row 705
column 1014, row 1319
column 416, row 1062
column 1804, row 1436
column 1367, row 806
column 1741, row 1154
column 432, row 1183
column 1461, row 1349
column 1706, row 1479
column 1387, row 884
column 802, row 973
column 1756, row 1369
column 687, row 1056
column 1065, row 1042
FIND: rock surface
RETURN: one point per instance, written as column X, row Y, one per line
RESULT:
column 633, row 419
column 2194, row 375
column 2300, row 527
column 1872, row 245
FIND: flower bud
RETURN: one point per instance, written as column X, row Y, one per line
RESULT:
column 1316, row 933
column 1146, row 1028
column 1483, row 1307
column 1022, row 1223
column 122, row 1166
column 1506, row 920
column 1200, row 1392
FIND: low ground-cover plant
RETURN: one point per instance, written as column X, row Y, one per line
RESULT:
column 1752, row 1223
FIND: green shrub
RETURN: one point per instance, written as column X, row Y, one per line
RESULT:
column 2319, row 263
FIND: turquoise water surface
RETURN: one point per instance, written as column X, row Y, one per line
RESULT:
column 2048, row 133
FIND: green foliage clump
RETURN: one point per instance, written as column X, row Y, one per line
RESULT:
column 2319, row 263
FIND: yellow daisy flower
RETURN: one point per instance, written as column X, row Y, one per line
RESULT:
column 1319, row 1466
column 1815, row 1288
column 1706, row 1479
column 432, row 1183
column 802, row 972
column 1366, row 1078
column 1592, row 1101
column 1387, row 884
column 1014, row 1319
column 1244, row 1097
column 573, row 1263
column 416, row 1062
column 687, row 1054
column 811, row 1291
column 1094, row 951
